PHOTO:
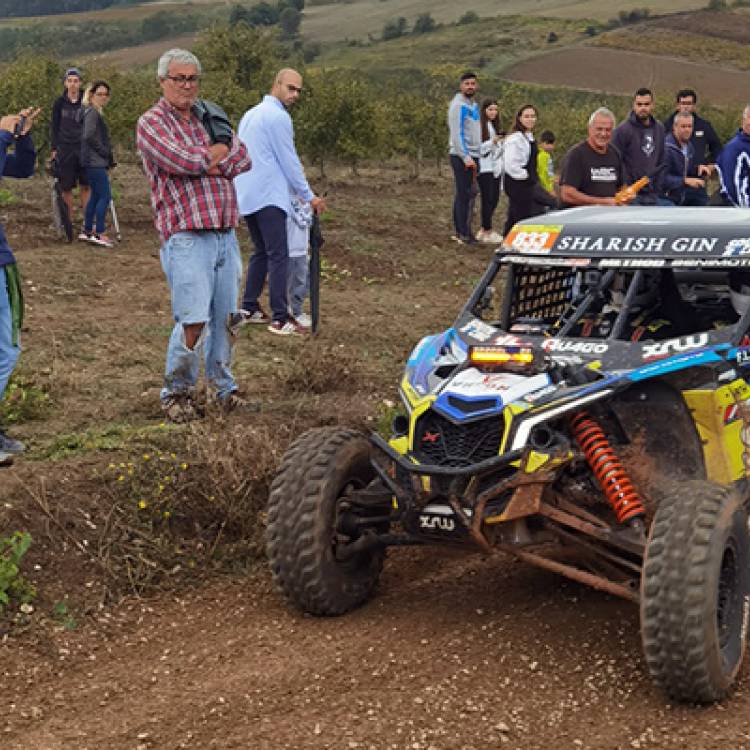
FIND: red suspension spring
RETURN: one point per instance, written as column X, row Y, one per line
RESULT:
column 614, row 480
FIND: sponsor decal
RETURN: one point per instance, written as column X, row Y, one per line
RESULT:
column 508, row 339
column 591, row 244
column 633, row 263
column 739, row 246
column 743, row 357
column 511, row 386
column 579, row 347
column 436, row 523
column 478, row 330
column 603, row 174
column 532, row 238
column 731, row 413
column 659, row 349
column 430, row 437
column 536, row 395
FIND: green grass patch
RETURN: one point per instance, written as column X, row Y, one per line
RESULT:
column 24, row 401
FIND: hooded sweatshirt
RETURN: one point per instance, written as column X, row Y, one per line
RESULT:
column 706, row 144
column 642, row 149
column 463, row 124
column 734, row 170
column 19, row 164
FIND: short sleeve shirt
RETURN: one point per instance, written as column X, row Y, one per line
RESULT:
column 592, row 173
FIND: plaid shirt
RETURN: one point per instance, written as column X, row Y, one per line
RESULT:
column 175, row 154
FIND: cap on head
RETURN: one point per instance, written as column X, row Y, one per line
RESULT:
column 72, row 72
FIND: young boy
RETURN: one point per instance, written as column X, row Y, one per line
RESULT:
column 544, row 165
column 298, row 224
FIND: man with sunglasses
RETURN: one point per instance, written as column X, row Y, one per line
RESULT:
column 265, row 197
column 195, row 212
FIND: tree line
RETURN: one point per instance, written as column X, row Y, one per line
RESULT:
column 18, row 9
column 344, row 116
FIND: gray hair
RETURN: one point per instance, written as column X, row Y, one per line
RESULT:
column 602, row 112
column 179, row 56
column 683, row 116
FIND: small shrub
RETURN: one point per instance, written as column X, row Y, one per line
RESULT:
column 424, row 24
column 469, row 17
column 7, row 198
column 24, row 400
column 13, row 586
column 552, row 37
column 394, row 28
column 321, row 369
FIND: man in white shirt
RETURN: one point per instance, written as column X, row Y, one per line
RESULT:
column 264, row 196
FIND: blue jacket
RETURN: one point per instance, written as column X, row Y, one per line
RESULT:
column 19, row 164
column 277, row 173
column 677, row 169
column 642, row 149
column 465, row 136
column 734, row 170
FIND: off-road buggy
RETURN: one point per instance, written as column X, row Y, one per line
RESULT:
column 588, row 412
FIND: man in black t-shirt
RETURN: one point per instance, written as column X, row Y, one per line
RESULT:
column 66, row 131
column 592, row 172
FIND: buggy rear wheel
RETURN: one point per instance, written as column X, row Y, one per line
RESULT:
column 304, row 545
column 695, row 590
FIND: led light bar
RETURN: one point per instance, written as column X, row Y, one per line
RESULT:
column 501, row 355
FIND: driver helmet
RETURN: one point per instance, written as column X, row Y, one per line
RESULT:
column 646, row 295
column 739, row 290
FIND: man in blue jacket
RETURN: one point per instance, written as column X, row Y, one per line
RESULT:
column 733, row 165
column 640, row 141
column 13, row 129
column 264, row 195
column 684, row 179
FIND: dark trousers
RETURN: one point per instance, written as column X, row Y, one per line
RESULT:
column 489, row 188
column 520, row 201
column 462, row 199
column 268, row 232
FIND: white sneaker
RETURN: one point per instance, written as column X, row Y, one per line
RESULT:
column 490, row 236
column 303, row 319
column 289, row 328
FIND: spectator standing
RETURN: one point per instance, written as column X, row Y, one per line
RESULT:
column 592, row 170
column 463, row 147
column 683, row 178
column 298, row 225
column 264, row 196
column 490, row 167
column 520, row 158
column 545, row 166
column 195, row 212
column 733, row 165
column 66, row 130
column 13, row 128
column 97, row 160
column 706, row 143
column 640, row 141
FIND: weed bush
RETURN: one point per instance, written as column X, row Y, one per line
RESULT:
column 321, row 369
column 24, row 400
column 14, row 588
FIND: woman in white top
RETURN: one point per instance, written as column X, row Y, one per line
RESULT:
column 490, row 167
column 520, row 167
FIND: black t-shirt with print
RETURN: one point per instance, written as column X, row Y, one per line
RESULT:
column 592, row 173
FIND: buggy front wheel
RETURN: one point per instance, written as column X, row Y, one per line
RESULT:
column 695, row 590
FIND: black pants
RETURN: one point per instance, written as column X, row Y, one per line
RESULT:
column 520, row 201
column 489, row 188
column 465, row 191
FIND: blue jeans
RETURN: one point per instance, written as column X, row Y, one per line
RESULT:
column 270, row 258
column 99, row 200
column 299, row 283
column 203, row 270
column 8, row 352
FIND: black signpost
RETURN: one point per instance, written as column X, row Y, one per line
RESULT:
column 316, row 242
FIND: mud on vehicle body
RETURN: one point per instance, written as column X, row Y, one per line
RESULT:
column 588, row 412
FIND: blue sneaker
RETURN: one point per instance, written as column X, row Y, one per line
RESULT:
column 9, row 445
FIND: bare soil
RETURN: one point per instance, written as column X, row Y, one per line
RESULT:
column 455, row 651
column 621, row 72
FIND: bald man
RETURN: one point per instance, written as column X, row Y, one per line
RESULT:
column 265, row 194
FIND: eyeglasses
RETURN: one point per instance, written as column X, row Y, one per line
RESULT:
column 184, row 80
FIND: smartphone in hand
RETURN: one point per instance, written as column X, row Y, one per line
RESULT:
column 20, row 125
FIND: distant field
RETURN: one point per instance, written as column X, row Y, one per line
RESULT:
column 144, row 54
column 621, row 72
column 357, row 19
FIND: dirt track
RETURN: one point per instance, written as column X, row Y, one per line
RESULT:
column 454, row 652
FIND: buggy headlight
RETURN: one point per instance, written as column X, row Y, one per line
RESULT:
column 510, row 357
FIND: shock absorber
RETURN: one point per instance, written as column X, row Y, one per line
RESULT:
column 609, row 471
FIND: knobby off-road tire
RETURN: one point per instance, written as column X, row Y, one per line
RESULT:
column 315, row 474
column 695, row 589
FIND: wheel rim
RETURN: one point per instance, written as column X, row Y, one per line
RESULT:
column 729, row 607
column 360, row 559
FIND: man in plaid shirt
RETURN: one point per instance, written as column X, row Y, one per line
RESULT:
column 195, row 212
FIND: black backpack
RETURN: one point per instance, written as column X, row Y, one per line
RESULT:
column 215, row 120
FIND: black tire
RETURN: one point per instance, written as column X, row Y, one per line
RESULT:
column 315, row 474
column 695, row 589
column 60, row 213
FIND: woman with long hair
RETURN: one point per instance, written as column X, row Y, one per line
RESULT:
column 520, row 166
column 490, row 167
column 96, row 158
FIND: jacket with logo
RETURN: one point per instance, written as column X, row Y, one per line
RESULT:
column 642, row 149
